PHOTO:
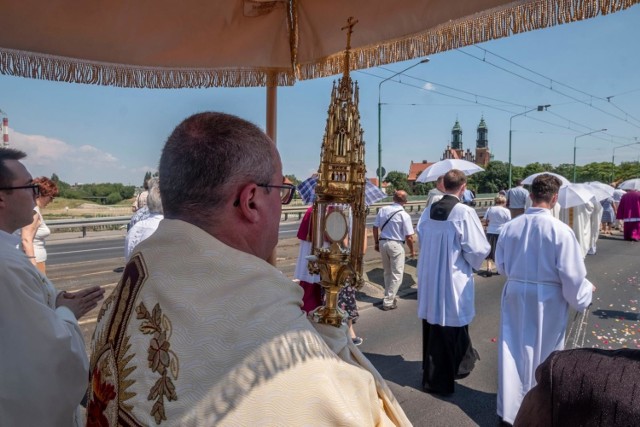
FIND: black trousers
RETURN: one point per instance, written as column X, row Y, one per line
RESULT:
column 447, row 355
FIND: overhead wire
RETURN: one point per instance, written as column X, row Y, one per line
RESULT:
column 476, row 102
column 550, row 87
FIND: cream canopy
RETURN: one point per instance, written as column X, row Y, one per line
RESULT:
column 206, row 43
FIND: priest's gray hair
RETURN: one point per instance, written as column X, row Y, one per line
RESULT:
column 205, row 159
column 154, row 200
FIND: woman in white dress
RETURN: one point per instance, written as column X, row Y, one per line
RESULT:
column 33, row 235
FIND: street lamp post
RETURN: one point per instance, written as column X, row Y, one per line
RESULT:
column 613, row 157
column 538, row 108
column 379, row 171
column 575, row 141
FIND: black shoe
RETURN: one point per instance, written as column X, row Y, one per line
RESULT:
column 461, row 376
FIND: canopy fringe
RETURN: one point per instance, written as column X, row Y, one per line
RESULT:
column 57, row 68
column 514, row 18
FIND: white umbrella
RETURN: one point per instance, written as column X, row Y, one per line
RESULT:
column 600, row 190
column 630, row 184
column 443, row 166
column 529, row 180
column 574, row 195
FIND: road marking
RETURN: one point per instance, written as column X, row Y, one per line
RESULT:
column 85, row 250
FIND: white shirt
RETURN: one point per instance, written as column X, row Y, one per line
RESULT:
column 43, row 363
column 449, row 251
column 139, row 232
column 497, row 216
column 398, row 228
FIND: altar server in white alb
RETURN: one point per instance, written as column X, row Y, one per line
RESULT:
column 43, row 363
column 452, row 244
column 201, row 330
column 545, row 272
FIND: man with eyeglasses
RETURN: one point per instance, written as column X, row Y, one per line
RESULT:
column 43, row 363
column 201, row 329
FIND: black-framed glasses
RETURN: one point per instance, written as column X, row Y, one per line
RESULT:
column 286, row 191
column 34, row 187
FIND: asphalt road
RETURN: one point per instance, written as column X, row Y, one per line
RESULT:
column 392, row 340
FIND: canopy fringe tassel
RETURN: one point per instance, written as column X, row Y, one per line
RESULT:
column 514, row 18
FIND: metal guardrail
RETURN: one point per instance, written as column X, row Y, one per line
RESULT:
column 287, row 212
column 85, row 223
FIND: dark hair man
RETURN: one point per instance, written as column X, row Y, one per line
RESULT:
column 452, row 245
column 546, row 274
column 201, row 329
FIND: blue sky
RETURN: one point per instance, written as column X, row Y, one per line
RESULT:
column 88, row 133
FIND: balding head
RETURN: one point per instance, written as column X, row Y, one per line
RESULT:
column 400, row 197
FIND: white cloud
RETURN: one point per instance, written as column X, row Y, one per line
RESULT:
column 429, row 86
column 85, row 163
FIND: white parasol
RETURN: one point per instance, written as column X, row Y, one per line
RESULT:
column 630, row 184
column 600, row 190
column 529, row 180
column 443, row 166
column 574, row 195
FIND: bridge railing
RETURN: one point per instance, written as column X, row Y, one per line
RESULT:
column 288, row 213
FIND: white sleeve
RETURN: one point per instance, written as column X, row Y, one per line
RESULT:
column 475, row 246
column 44, row 365
column 500, row 254
column 406, row 224
column 576, row 289
column 131, row 241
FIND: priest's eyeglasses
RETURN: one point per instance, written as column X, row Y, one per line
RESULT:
column 34, row 187
column 286, row 191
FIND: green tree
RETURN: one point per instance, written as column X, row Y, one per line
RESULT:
column 55, row 178
column 114, row 198
column 627, row 170
column 397, row 181
column 493, row 179
column 565, row 169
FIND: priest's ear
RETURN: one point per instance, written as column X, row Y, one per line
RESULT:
column 245, row 202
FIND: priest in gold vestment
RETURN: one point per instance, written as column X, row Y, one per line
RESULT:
column 201, row 330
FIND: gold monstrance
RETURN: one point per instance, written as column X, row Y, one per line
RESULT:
column 339, row 211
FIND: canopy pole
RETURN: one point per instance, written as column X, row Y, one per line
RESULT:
column 272, row 111
column 272, row 123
